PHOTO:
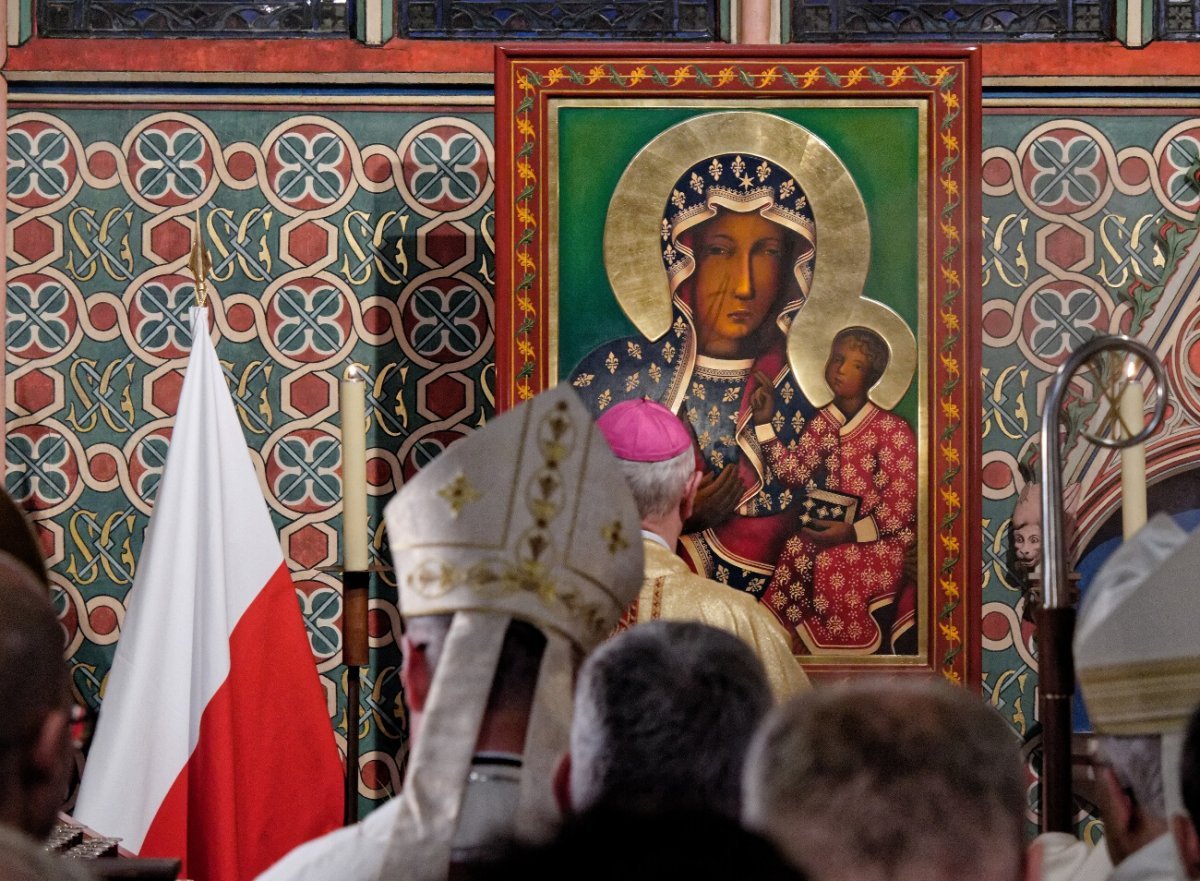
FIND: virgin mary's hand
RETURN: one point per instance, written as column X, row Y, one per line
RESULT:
column 827, row 533
column 716, row 499
column 762, row 399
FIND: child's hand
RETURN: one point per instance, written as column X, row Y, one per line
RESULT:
column 762, row 399
column 827, row 533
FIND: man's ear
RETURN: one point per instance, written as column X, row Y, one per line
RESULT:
column 50, row 751
column 45, row 768
column 562, row 785
column 415, row 675
column 1187, row 843
column 1119, row 807
column 688, row 502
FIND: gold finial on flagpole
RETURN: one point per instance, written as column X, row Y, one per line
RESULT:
column 200, row 262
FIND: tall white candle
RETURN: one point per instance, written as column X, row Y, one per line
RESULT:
column 353, row 403
column 1133, row 459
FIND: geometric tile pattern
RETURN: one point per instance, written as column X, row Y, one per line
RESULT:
column 357, row 233
column 1089, row 227
column 350, row 234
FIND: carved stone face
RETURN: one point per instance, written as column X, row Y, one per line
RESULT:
column 1027, row 529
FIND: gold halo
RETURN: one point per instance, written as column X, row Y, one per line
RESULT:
column 632, row 231
column 819, row 321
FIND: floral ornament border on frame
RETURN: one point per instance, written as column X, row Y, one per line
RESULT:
column 948, row 80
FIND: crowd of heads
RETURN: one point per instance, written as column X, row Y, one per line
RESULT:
column 673, row 751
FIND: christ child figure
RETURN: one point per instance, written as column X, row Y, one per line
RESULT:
column 836, row 581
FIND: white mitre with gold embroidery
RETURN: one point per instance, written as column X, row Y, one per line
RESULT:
column 1137, row 652
column 526, row 518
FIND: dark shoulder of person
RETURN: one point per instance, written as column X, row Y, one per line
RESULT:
column 609, row 844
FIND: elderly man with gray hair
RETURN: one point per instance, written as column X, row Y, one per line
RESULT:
column 664, row 713
column 1134, row 809
column 657, row 456
column 1138, row 662
column 889, row 781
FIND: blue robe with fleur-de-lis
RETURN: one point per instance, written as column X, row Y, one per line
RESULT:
column 713, row 398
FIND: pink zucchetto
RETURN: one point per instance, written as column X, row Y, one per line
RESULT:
column 643, row 430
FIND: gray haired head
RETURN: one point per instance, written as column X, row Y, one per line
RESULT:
column 889, row 781
column 1136, row 761
column 658, row 487
column 664, row 713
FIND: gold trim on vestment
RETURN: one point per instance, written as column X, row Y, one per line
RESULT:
column 1149, row 697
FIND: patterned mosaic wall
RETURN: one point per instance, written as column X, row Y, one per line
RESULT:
column 351, row 233
column 1089, row 225
column 367, row 233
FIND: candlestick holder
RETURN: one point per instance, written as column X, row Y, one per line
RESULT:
column 356, row 655
column 1034, row 593
column 1056, row 617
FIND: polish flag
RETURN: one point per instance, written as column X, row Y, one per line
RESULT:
column 214, row 743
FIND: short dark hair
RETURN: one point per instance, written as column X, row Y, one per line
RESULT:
column 605, row 843
column 664, row 713
column 1190, row 769
column 869, row 342
column 34, row 693
column 517, row 668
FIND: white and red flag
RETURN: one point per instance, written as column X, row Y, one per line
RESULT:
column 214, row 742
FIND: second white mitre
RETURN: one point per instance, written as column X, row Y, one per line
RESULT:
column 1136, row 651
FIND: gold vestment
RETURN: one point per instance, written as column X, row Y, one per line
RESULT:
column 671, row 591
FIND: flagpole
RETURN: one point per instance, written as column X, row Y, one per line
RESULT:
column 215, row 668
column 355, row 569
column 200, row 263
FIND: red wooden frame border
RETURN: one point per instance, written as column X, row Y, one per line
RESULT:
column 344, row 55
column 332, row 55
column 948, row 78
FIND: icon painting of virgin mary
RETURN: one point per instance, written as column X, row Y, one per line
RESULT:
column 737, row 244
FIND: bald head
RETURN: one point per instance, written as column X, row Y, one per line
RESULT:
column 34, row 692
column 889, row 781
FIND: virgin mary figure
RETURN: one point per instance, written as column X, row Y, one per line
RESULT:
column 738, row 244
